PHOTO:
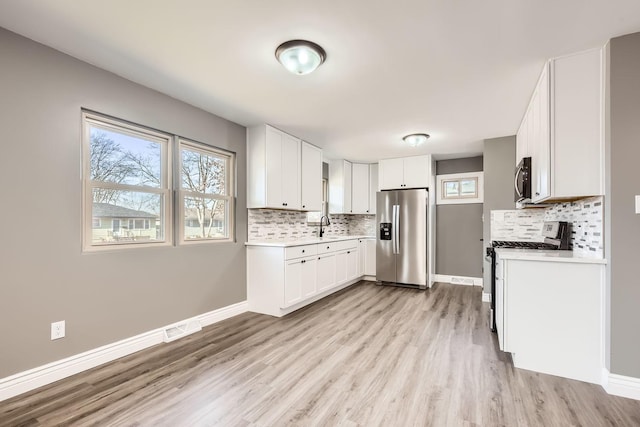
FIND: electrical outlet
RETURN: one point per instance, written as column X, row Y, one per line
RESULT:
column 57, row 330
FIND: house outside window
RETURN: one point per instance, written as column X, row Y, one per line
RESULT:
column 460, row 188
column 126, row 177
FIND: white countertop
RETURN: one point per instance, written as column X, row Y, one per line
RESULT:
column 306, row 241
column 551, row 255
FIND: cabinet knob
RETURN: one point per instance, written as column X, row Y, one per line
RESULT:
column 348, row 252
column 327, row 247
column 537, row 194
column 304, row 206
column 303, row 251
column 367, row 210
column 284, row 204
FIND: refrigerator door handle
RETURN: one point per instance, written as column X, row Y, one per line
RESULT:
column 396, row 229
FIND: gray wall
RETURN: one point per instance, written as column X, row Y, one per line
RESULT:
column 623, row 224
column 44, row 277
column 459, row 227
column 499, row 165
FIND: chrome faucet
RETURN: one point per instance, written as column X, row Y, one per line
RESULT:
column 327, row 224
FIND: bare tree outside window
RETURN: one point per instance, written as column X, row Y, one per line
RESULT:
column 204, row 181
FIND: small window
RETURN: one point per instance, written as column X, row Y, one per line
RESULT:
column 126, row 184
column 206, row 193
column 460, row 188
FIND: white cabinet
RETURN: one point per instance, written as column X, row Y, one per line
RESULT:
column 326, row 272
column 373, row 187
column 360, row 189
column 563, row 129
column 352, row 264
column 549, row 315
column 362, row 253
column 340, row 179
column 406, row 172
column 370, row 257
column 283, row 279
column 311, row 177
column 273, row 169
column 367, row 257
column 351, row 187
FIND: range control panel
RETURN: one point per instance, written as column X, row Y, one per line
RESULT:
column 385, row 231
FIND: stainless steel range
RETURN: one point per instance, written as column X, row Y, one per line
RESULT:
column 557, row 235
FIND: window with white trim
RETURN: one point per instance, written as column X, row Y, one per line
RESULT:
column 460, row 188
column 206, row 193
column 126, row 180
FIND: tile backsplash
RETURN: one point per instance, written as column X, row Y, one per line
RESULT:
column 272, row 224
column 585, row 216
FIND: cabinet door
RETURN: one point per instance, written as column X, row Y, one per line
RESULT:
column 290, row 172
column 309, row 277
column 348, row 184
column 391, row 174
column 542, row 139
column 361, row 256
column 416, row 172
column 292, row 283
column 352, row 264
column 341, row 267
column 311, row 169
column 499, row 306
column 326, row 267
column 373, row 188
column 360, row 189
column 370, row 257
column 273, row 154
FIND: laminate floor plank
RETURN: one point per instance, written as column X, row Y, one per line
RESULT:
column 365, row 356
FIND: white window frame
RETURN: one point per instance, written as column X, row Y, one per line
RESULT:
column 166, row 208
column 457, row 200
column 229, row 197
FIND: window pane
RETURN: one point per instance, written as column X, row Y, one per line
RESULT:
column 203, row 173
column 451, row 189
column 205, row 218
column 123, row 158
column 124, row 217
column 468, row 187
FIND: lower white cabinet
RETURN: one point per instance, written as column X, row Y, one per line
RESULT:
column 326, row 272
column 550, row 316
column 283, row 279
column 300, row 278
column 367, row 257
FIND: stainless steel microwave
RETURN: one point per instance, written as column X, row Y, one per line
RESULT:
column 522, row 181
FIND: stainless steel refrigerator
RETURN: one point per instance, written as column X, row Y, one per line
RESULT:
column 401, row 246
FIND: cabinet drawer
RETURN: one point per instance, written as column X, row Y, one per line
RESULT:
column 337, row 246
column 300, row 251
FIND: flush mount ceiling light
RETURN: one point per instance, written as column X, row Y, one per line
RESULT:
column 416, row 139
column 300, row 56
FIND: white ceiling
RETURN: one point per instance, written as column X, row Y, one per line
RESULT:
column 460, row 70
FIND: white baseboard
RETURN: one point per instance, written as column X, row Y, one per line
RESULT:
column 458, row 280
column 620, row 385
column 486, row 297
column 369, row 278
column 46, row 374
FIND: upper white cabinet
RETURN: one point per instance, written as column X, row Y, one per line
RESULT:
column 311, row 177
column 360, row 189
column 275, row 174
column 373, row 187
column 406, row 172
column 563, row 129
column 340, row 181
column 352, row 187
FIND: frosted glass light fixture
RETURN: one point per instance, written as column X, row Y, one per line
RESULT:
column 416, row 139
column 300, row 56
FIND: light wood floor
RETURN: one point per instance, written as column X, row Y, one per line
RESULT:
column 366, row 356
